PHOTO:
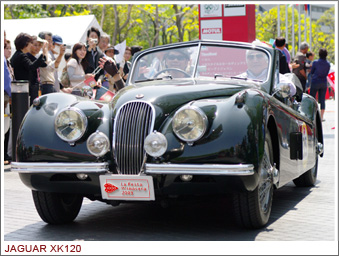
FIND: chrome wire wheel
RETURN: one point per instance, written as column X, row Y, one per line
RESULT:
column 266, row 182
column 252, row 209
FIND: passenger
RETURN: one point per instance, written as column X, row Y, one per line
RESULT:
column 257, row 65
column 257, row 68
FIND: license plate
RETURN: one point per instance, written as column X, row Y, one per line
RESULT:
column 127, row 187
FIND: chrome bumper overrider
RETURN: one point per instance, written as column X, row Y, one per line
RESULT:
column 33, row 167
column 201, row 169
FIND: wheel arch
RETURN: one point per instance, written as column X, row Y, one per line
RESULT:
column 319, row 130
column 273, row 130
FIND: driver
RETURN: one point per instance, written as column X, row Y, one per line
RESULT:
column 177, row 62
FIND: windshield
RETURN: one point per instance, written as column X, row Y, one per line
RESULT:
column 208, row 62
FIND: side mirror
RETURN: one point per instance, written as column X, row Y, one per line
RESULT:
column 283, row 90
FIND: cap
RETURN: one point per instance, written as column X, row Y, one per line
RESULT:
column 39, row 39
column 57, row 39
column 111, row 47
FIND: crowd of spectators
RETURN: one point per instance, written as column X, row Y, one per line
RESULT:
column 37, row 60
column 312, row 74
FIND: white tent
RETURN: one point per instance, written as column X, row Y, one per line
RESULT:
column 72, row 29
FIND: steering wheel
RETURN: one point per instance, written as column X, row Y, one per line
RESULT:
column 172, row 69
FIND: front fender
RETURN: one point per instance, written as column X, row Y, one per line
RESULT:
column 235, row 132
column 37, row 140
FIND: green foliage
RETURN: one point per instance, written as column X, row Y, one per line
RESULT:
column 325, row 40
column 149, row 25
column 25, row 11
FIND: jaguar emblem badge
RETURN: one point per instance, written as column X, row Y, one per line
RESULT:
column 139, row 96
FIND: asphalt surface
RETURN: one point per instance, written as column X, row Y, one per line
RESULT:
column 298, row 214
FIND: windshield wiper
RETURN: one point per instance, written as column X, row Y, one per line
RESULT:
column 245, row 78
column 241, row 78
column 149, row 79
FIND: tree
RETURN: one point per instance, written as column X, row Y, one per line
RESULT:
column 267, row 28
column 322, row 39
column 27, row 11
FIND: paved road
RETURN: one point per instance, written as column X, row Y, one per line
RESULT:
column 298, row 214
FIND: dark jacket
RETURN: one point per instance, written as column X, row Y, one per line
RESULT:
column 33, row 74
column 283, row 65
column 25, row 68
column 22, row 65
column 319, row 71
column 93, row 63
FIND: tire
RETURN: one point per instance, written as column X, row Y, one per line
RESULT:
column 309, row 178
column 252, row 209
column 57, row 208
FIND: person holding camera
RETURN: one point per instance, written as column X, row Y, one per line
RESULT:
column 94, row 54
column 47, row 74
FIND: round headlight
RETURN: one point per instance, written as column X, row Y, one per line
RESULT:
column 189, row 123
column 155, row 144
column 70, row 124
column 98, row 144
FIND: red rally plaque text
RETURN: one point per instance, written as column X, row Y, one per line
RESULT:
column 127, row 187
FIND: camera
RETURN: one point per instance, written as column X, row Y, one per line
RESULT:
column 94, row 40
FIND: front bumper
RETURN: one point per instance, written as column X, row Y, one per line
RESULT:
column 201, row 169
column 174, row 169
column 208, row 178
column 34, row 167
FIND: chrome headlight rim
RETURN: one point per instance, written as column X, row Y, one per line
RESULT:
column 102, row 153
column 83, row 118
column 203, row 116
column 155, row 137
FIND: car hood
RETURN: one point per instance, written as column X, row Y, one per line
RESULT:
column 172, row 94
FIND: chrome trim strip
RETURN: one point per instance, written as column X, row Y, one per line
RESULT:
column 201, row 169
column 38, row 167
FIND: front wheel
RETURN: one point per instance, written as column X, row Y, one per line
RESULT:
column 253, row 209
column 57, row 208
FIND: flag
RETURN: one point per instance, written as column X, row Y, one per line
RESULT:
column 121, row 48
column 307, row 8
column 90, row 82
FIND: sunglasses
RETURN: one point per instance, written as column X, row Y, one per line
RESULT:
column 173, row 57
column 257, row 56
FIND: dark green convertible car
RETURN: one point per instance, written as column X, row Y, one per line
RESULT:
column 195, row 118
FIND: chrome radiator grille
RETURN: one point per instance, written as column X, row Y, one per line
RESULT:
column 134, row 121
